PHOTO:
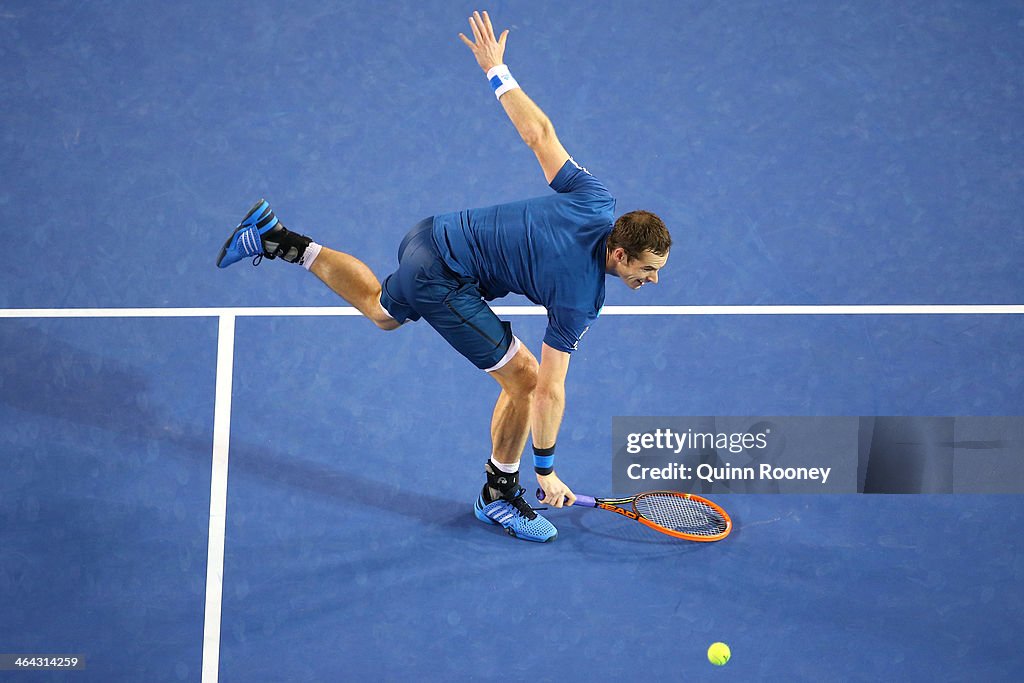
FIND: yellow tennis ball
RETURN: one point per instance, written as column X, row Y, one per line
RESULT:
column 719, row 654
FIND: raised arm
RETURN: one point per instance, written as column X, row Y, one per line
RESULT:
column 532, row 124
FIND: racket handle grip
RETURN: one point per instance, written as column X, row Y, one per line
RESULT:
column 585, row 501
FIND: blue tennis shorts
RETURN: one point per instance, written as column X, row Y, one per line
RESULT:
column 425, row 287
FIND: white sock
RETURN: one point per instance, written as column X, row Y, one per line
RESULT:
column 511, row 468
column 308, row 256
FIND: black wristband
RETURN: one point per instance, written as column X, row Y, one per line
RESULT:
column 544, row 460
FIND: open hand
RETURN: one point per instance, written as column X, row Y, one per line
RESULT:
column 488, row 50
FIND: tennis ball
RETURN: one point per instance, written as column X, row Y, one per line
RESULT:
column 719, row 654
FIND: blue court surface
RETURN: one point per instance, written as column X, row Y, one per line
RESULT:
column 803, row 154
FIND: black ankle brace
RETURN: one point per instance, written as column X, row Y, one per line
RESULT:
column 500, row 484
column 284, row 244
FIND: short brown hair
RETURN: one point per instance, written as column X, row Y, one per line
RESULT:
column 640, row 231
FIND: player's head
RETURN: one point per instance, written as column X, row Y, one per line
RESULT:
column 638, row 248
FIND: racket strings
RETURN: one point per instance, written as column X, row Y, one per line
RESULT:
column 681, row 514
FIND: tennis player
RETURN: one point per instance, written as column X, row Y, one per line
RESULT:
column 556, row 250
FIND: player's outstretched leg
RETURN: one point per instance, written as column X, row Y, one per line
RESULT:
column 261, row 234
column 502, row 502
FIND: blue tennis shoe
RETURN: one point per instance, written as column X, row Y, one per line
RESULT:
column 247, row 241
column 512, row 512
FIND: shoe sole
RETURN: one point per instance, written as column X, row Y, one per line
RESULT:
column 224, row 249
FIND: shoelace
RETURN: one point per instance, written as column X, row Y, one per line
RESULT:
column 520, row 504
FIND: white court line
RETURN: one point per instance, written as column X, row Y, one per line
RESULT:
column 295, row 311
column 218, row 499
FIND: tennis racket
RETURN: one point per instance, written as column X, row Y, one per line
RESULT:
column 682, row 515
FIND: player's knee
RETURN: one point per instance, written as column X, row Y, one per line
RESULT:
column 380, row 316
column 523, row 373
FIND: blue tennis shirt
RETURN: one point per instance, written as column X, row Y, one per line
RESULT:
column 550, row 249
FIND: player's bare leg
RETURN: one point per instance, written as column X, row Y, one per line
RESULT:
column 502, row 500
column 353, row 281
column 510, row 423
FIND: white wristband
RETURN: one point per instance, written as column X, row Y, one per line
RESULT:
column 501, row 80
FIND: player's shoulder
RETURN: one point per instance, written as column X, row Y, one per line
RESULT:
column 576, row 178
